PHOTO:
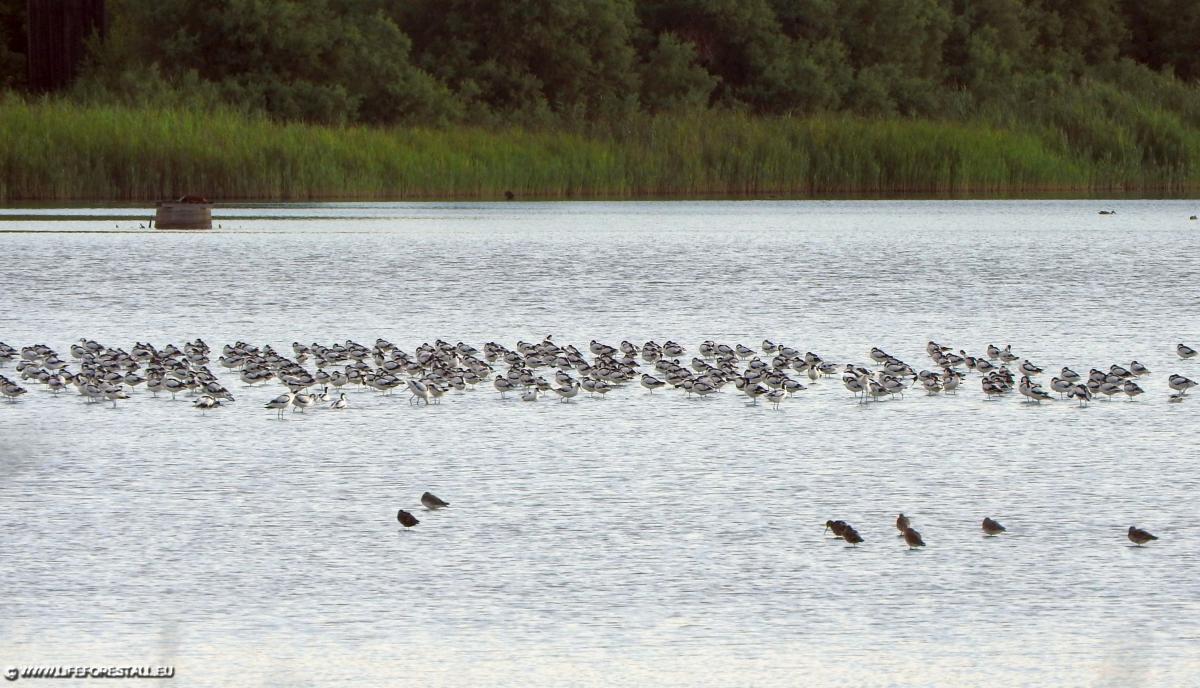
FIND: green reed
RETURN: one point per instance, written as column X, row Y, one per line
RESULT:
column 57, row 150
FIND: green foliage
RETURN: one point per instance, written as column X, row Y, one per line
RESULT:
column 743, row 44
column 1163, row 34
column 1089, row 92
column 569, row 58
column 671, row 79
column 328, row 61
column 578, row 64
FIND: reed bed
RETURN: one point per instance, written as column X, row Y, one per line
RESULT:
column 57, row 150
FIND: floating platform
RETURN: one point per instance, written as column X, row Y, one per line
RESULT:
column 186, row 212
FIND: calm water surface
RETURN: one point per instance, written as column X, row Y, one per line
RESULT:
column 632, row 540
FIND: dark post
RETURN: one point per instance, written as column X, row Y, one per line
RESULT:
column 58, row 34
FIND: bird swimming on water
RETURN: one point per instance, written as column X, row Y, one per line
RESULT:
column 432, row 502
column 992, row 527
column 406, row 519
column 1140, row 537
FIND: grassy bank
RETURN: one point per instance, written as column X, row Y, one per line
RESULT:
column 54, row 150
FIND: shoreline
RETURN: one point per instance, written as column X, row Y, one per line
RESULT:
column 1192, row 194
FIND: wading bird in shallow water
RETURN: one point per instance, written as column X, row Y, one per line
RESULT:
column 851, row 535
column 432, row 502
column 902, row 523
column 279, row 403
column 991, row 527
column 406, row 519
column 838, row 528
column 1082, row 393
column 776, row 397
column 1185, row 351
column 302, row 401
column 1140, row 537
column 1131, row 389
column 913, row 539
column 651, row 383
column 205, row 402
column 11, row 390
column 1180, row 383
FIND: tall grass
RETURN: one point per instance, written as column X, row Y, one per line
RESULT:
column 55, row 150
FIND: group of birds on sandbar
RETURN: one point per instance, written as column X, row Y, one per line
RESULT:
column 842, row 530
column 533, row 370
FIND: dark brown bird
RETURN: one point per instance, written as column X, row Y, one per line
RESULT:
column 902, row 523
column 432, row 502
column 1140, row 537
column 913, row 538
column 851, row 535
column 992, row 527
column 406, row 519
column 838, row 528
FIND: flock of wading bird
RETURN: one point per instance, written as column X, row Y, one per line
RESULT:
column 110, row 374
column 912, row 538
column 106, row 374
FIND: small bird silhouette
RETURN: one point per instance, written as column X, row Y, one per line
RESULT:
column 838, row 528
column 432, row 502
column 851, row 535
column 1140, row 537
column 901, row 523
column 992, row 527
column 406, row 519
column 913, row 539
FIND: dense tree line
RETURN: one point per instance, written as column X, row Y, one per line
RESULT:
column 554, row 62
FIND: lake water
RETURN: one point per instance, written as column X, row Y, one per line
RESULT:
column 637, row 539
